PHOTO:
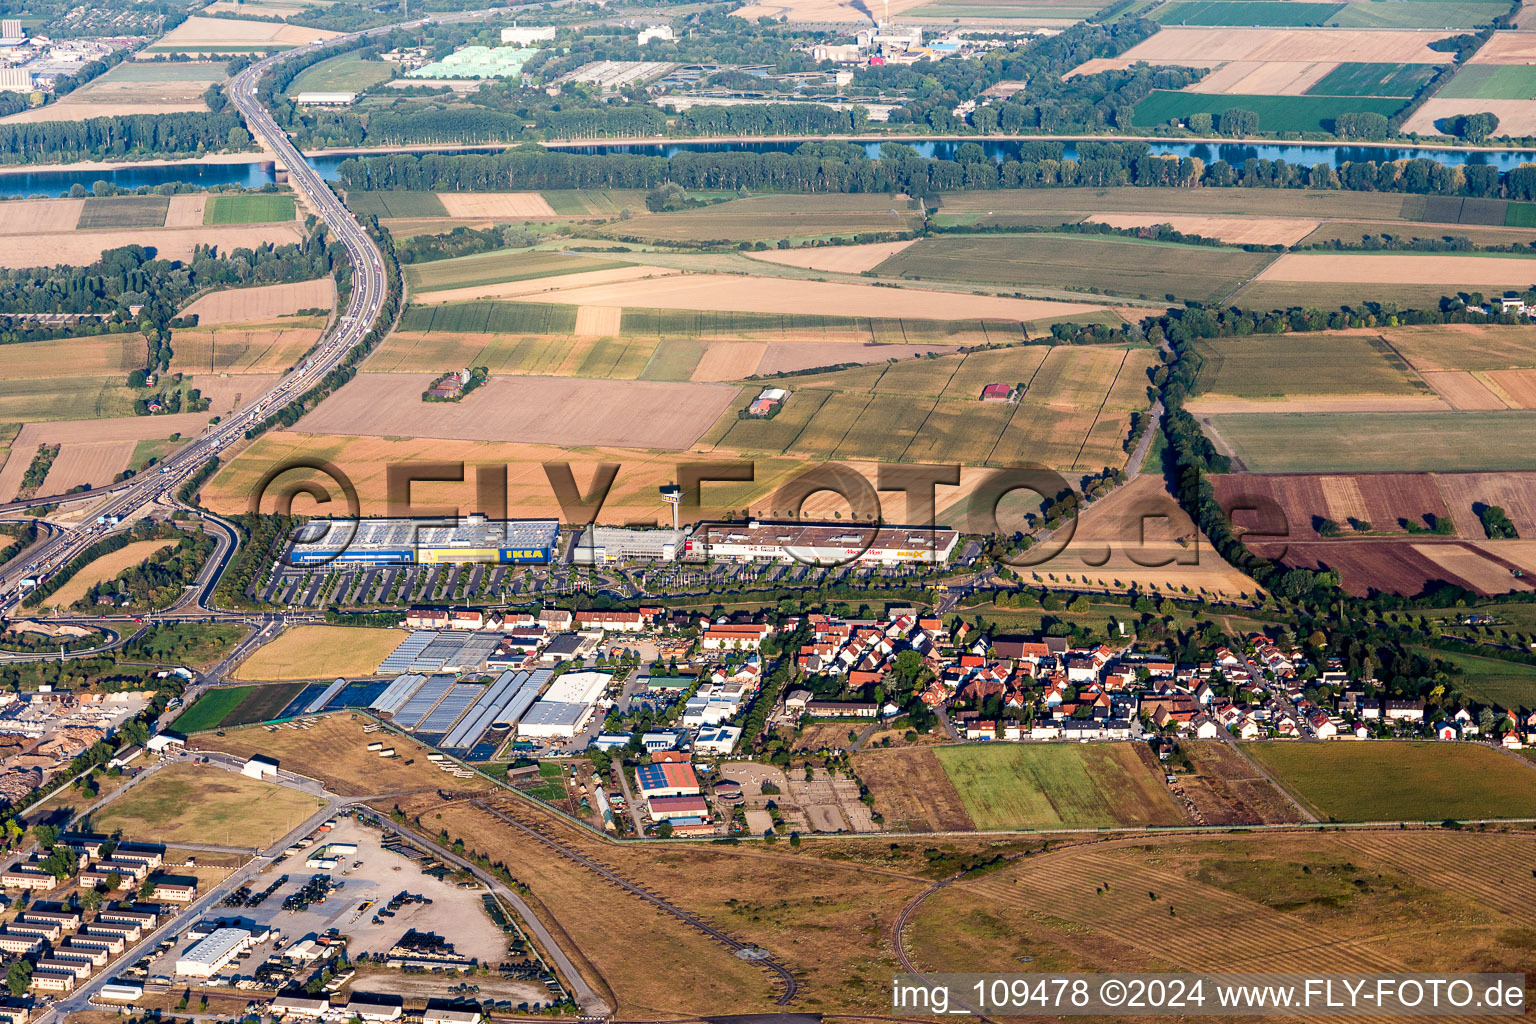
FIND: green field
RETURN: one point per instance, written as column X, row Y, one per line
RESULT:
column 65, row 398
column 500, row 267
column 254, row 209
column 396, row 204
column 1057, row 785
column 1276, row 113
column 123, row 212
column 1267, row 13
column 1114, row 265
column 1491, row 82
column 1504, row 684
column 491, row 318
column 346, row 73
column 1305, row 364
column 1418, row 14
column 1400, row 781
column 1520, row 215
column 1380, row 441
column 1356, row 79
column 211, row 708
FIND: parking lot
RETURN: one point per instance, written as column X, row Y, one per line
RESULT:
column 372, row 875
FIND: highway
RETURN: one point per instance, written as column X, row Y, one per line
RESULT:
column 364, row 307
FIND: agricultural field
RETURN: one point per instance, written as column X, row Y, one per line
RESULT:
column 605, row 357
column 499, row 267
column 551, row 410
column 263, row 302
column 194, row 803
column 1366, row 442
column 1503, row 684
column 1082, row 263
column 344, row 73
column 1288, row 902
column 495, row 205
column 769, row 218
column 1400, row 781
column 1365, row 503
column 320, row 652
column 1331, row 364
column 269, row 347
column 249, row 209
column 233, row 35
column 230, row 706
column 1227, row 790
column 82, row 247
column 132, row 88
column 1410, row 567
column 1074, row 410
column 396, row 204
column 911, row 790
column 1491, row 82
column 1034, row 12
column 1355, row 14
column 1355, row 78
column 1308, row 113
column 123, row 212
column 1058, row 786
column 1517, row 117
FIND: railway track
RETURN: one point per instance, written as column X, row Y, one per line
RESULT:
column 783, row 974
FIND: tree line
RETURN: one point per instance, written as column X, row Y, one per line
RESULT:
column 120, row 136
column 835, row 167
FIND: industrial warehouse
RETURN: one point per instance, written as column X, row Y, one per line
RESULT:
column 458, row 717
column 426, row 542
column 821, row 544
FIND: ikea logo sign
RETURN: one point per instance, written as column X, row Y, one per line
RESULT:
column 525, row 554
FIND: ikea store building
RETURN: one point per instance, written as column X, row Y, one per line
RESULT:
column 473, row 539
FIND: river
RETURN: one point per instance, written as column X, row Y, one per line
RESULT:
column 21, row 182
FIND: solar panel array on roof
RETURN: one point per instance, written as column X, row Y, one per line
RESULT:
column 423, row 701
column 509, row 688
column 454, row 704
column 320, row 701
column 400, row 659
column 396, row 694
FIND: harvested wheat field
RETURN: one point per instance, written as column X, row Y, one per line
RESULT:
column 819, row 10
column 1513, row 492
column 1396, row 268
column 320, row 652
column 1464, row 346
column 242, row 348
column 79, row 108
column 782, row 295
column 495, row 205
column 186, row 211
column 787, row 356
column 105, row 568
column 1173, row 44
column 1232, row 230
column 1137, row 523
column 1516, row 388
column 1462, row 390
column 1487, row 567
column 1507, row 48
column 836, row 259
column 539, row 285
column 1211, row 405
column 123, row 428
column 81, row 248
column 213, row 34
column 92, row 464
column 598, row 321
column 365, row 459
column 40, row 216
column 104, row 354
column 1265, row 78
column 729, row 360
column 549, row 410
column 244, row 305
column 17, row 459
column 1517, row 118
